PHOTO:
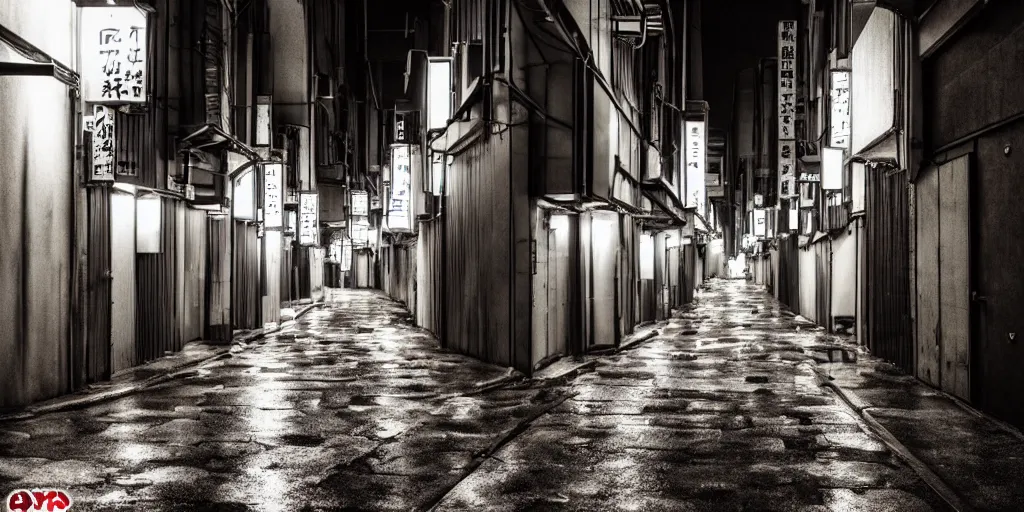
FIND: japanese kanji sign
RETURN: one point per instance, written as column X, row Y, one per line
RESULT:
column 787, row 79
column 309, row 219
column 839, row 122
column 102, row 144
column 272, row 195
column 399, row 204
column 360, row 203
column 114, row 56
column 695, row 163
column 787, row 169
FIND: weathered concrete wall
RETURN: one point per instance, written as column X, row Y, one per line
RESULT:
column 35, row 208
column 968, row 81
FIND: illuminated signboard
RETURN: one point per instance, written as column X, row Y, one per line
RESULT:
column 114, row 54
column 360, row 203
column 102, row 144
column 273, row 195
column 759, row 223
column 787, row 79
column 439, row 92
column 309, row 219
column 695, row 163
column 360, row 233
column 839, row 121
column 832, row 168
column 400, row 200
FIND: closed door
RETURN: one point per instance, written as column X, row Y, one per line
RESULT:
column 943, row 277
column 558, row 286
column 954, row 283
column 122, row 272
column 604, row 244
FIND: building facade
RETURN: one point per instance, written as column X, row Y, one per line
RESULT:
column 179, row 200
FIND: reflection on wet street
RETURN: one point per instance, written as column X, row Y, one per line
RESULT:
column 352, row 408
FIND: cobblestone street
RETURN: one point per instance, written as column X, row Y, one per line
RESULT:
column 351, row 408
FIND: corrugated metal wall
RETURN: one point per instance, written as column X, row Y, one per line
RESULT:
column 478, row 258
column 218, row 276
column 787, row 282
column 823, row 301
column 628, row 270
column 429, row 270
column 887, row 267
column 245, row 286
column 193, row 312
column 156, row 328
column 400, row 274
column 97, row 357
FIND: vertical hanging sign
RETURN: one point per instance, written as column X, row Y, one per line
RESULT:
column 695, row 164
column 309, row 219
column 787, row 169
column 360, row 203
column 839, row 120
column 272, row 195
column 102, row 144
column 114, row 54
column 787, row 108
column 399, row 204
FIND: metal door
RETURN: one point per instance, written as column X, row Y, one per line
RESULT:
column 122, row 271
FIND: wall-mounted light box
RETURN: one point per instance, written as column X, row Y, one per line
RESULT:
column 832, row 168
column 439, row 92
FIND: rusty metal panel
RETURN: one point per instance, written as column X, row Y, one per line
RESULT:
column 155, row 286
column 887, row 267
column 135, row 149
column 429, row 268
column 97, row 357
column 478, row 263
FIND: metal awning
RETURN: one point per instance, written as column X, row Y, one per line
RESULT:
column 666, row 201
column 211, row 137
column 19, row 57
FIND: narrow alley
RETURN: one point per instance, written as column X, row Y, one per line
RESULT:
column 352, row 408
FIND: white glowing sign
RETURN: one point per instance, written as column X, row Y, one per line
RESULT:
column 102, row 144
column 360, row 203
column 759, row 223
column 787, row 79
column 439, row 96
column 839, row 122
column 787, row 169
column 832, row 169
column 272, row 195
column 346, row 256
column 400, row 201
column 113, row 54
column 794, row 216
column 309, row 219
column 695, row 155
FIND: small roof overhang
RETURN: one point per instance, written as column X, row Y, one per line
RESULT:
column 211, row 137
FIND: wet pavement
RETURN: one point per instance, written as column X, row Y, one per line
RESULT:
column 722, row 411
column 352, row 408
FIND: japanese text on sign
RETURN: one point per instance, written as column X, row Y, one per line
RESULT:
column 839, row 97
column 401, row 189
column 23, row 500
column 114, row 54
column 787, row 168
column 787, row 79
column 272, row 194
column 309, row 219
column 695, row 153
column 360, row 203
column 102, row 143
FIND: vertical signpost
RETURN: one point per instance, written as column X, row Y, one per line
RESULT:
column 787, row 109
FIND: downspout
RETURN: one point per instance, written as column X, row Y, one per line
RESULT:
column 79, row 258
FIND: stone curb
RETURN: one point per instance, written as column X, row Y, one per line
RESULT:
column 134, row 387
column 862, row 409
column 636, row 341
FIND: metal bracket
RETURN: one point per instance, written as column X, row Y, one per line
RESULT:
column 41, row 65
